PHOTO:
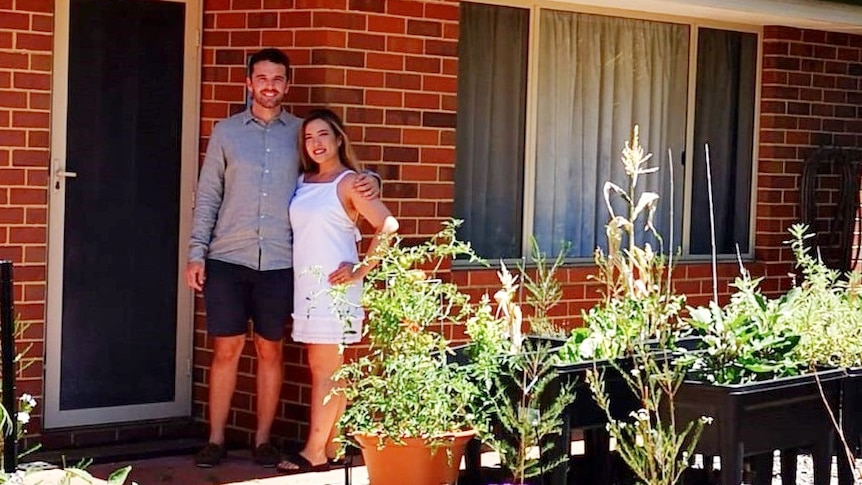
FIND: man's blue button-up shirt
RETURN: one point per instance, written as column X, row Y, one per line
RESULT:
column 246, row 182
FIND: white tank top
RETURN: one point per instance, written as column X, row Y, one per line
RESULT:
column 323, row 237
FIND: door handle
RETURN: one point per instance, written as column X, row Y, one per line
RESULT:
column 62, row 175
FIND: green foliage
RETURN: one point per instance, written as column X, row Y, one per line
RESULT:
column 405, row 386
column 825, row 308
column 544, row 290
column 118, row 477
column 70, row 475
column 615, row 328
column 404, row 291
column 753, row 338
column 651, row 443
column 745, row 341
column 638, row 303
column 528, row 409
column 514, row 379
column 408, row 395
column 26, row 402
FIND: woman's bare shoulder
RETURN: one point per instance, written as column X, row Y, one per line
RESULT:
column 346, row 184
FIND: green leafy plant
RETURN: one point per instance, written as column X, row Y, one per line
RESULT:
column 825, row 308
column 26, row 403
column 529, row 407
column 543, row 289
column 637, row 303
column 68, row 476
column 523, row 400
column 405, row 386
column 744, row 341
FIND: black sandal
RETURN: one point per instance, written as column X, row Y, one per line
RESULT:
column 301, row 464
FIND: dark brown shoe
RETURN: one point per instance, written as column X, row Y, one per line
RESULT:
column 266, row 455
column 210, row 456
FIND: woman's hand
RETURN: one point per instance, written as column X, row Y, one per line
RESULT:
column 345, row 274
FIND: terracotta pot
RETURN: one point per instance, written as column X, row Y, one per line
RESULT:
column 416, row 463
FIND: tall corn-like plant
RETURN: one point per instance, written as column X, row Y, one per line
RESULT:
column 633, row 276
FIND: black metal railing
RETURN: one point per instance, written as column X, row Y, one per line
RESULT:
column 7, row 351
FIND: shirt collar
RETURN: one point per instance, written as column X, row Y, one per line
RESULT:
column 282, row 117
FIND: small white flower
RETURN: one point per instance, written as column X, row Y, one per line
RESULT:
column 635, row 372
column 28, row 400
column 587, row 348
column 639, row 440
column 23, row 417
column 706, row 419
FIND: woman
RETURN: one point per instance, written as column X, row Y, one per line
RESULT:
column 323, row 213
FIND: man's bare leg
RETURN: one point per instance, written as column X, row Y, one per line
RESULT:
column 222, row 382
column 270, row 374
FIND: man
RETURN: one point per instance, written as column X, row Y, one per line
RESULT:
column 240, row 252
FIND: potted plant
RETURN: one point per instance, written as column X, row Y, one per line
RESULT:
column 827, row 314
column 755, row 378
column 411, row 410
column 524, row 400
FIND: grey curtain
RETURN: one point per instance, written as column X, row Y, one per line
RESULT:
column 598, row 77
column 724, row 118
column 492, row 87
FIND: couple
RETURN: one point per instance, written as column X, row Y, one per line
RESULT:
column 243, row 252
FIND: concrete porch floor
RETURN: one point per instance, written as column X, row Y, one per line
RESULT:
column 237, row 469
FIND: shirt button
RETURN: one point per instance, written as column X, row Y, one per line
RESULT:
column 266, row 171
column 264, row 194
column 262, row 217
column 261, row 238
column 267, row 150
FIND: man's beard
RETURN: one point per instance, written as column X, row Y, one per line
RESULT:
column 268, row 102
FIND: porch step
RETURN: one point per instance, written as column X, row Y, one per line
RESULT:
column 119, row 452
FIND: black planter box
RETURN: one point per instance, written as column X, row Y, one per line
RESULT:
column 757, row 418
column 851, row 422
column 586, row 415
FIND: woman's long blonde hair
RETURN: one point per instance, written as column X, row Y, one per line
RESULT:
column 345, row 150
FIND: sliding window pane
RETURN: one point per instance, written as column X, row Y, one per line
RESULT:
column 724, row 119
column 492, row 92
column 598, row 77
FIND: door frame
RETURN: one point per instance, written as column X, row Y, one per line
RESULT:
column 181, row 406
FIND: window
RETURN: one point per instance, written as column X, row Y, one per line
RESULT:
column 595, row 78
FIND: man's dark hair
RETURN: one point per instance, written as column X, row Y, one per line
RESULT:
column 270, row 54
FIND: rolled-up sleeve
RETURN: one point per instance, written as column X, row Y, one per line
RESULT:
column 208, row 199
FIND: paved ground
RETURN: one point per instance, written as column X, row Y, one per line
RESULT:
column 237, row 469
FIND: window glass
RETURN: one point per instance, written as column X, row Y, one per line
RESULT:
column 492, row 93
column 598, row 77
column 724, row 119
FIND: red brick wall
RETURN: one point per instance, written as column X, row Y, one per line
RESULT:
column 811, row 97
column 26, row 43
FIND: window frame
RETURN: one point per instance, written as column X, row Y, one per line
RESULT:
column 532, row 97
